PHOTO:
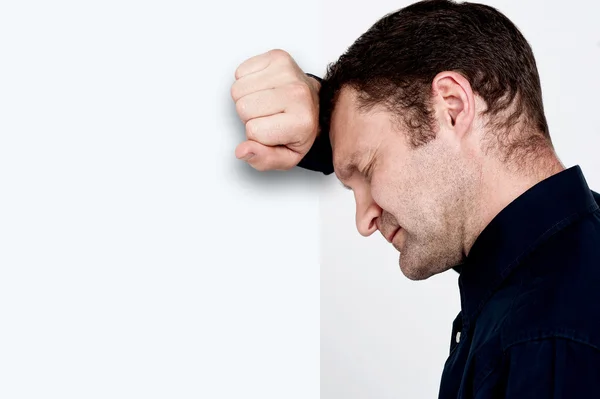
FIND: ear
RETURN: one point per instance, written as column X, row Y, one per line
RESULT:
column 456, row 101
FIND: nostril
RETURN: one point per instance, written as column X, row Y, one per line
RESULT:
column 371, row 224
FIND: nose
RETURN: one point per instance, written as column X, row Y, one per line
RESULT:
column 367, row 212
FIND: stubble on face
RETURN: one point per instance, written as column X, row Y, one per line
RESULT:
column 440, row 193
column 428, row 190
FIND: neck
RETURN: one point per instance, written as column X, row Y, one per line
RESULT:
column 498, row 186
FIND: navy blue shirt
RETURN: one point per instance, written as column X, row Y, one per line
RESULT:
column 529, row 325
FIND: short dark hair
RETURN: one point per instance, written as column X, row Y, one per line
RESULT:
column 395, row 61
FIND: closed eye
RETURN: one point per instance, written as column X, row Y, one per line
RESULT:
column 369, row 172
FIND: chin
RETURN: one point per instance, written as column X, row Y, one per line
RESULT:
column 413, row 271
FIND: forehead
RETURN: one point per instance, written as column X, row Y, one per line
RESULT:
column 356, row 134
column 346, row 124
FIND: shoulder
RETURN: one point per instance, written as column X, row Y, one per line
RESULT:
column 557, row 306
column 559, row 295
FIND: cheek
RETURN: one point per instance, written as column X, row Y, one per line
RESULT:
column 395, row 196
column 385, row 193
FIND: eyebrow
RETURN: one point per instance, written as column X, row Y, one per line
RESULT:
column 346, row 171
column 343, row 174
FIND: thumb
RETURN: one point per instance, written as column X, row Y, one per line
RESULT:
column 262, row 157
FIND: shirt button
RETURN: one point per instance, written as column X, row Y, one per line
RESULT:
column 458, row 337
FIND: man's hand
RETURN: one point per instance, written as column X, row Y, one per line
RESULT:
column 279, row 105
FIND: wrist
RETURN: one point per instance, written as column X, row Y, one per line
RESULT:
column 315, row 81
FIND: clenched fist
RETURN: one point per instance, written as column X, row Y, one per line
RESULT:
column 279, row 104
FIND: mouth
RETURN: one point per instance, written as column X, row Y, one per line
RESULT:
column 390, row 238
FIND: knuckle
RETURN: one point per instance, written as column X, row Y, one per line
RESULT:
column 241, row 69
column 279, row 54
column 241, row 108
column 238, row 72
column 235, row 91
column 307, row 123
column 287, row 75
column 299, row 90
column 251, row 129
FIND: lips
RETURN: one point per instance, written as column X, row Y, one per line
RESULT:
column 390, row 237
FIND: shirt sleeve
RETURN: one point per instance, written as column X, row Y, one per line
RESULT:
column 552, row 368
column 319, row 158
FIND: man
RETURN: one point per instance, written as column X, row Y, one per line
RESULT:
column 434, row 119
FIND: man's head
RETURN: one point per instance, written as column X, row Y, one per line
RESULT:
column 426, row 108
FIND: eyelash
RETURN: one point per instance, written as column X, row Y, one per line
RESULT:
column 368, row 172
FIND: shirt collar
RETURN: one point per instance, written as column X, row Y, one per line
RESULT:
column 518, row 229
